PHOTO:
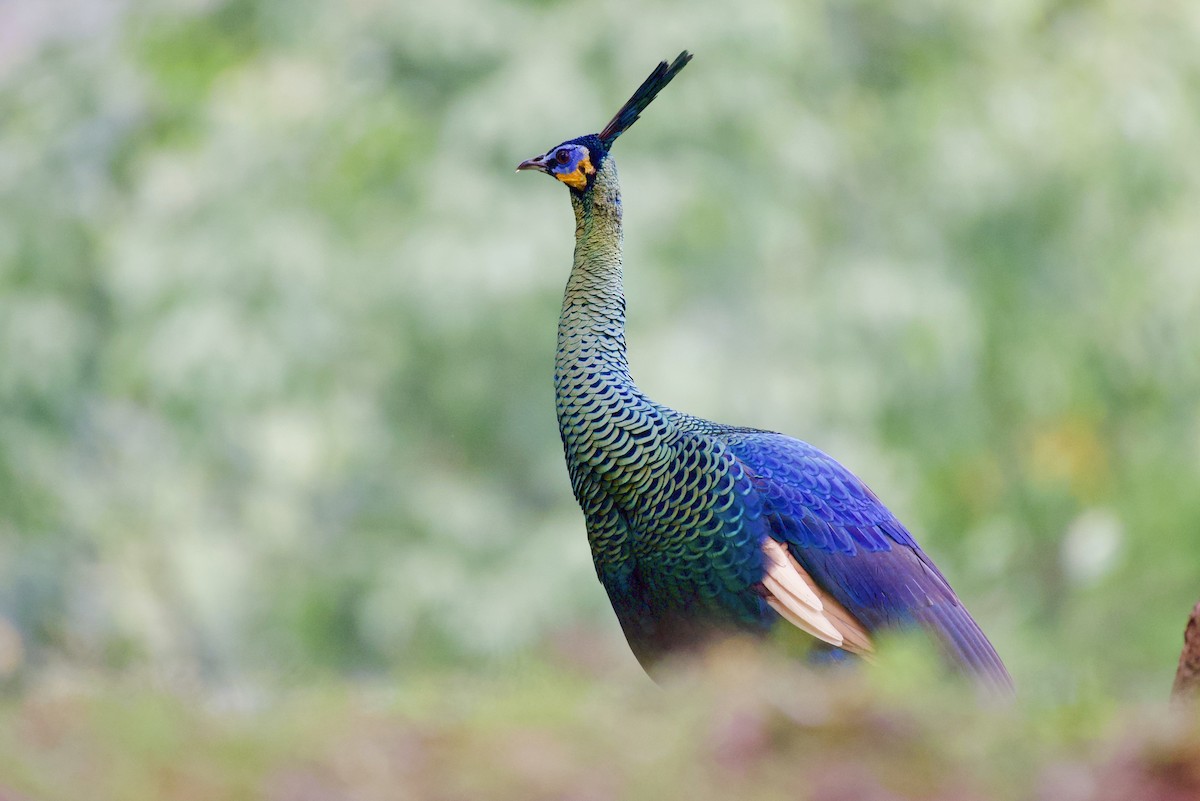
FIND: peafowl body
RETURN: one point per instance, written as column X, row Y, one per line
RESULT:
column 699, row 529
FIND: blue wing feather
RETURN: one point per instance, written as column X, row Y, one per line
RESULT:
column 856, row 549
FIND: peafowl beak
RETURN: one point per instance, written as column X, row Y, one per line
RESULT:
column 536, row 163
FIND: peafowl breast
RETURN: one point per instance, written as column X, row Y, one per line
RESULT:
column 698, row 529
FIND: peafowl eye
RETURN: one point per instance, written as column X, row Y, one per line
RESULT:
column 700, row 530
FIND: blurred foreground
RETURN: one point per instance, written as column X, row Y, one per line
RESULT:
column 740, row 728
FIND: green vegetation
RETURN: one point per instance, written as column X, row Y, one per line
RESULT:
column 276, row 327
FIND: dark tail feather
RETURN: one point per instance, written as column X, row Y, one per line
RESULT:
column 963, row 643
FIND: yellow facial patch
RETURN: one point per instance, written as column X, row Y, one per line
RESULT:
column 578, row 180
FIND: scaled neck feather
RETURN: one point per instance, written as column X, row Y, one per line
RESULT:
column 591, row 328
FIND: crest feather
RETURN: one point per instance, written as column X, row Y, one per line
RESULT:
column 644, row 95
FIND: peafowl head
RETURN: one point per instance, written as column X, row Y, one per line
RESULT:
column 576, row 161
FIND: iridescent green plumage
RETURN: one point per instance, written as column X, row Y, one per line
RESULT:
column 681, row 512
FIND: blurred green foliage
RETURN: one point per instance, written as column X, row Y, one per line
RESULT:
column 277, row 319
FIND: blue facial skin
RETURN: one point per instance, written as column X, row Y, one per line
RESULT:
column 565, row 159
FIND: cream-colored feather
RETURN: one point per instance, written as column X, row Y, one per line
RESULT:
column 801, row 601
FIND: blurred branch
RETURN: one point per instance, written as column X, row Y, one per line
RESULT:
column 1187, row 677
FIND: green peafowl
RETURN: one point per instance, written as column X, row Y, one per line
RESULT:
column 698, row 529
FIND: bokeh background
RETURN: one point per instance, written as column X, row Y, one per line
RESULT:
column 277, row 325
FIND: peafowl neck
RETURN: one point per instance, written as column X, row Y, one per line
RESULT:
column 591, row 329
column 610, row 430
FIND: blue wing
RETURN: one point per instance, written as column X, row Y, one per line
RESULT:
column 856, row 549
